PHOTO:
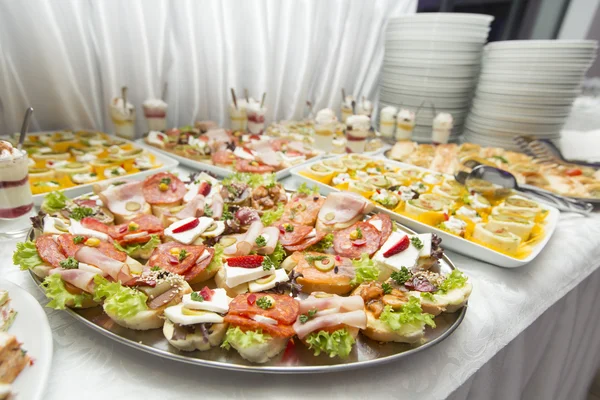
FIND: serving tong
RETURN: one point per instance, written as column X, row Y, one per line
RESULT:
column 507, row 181
column 546, row 152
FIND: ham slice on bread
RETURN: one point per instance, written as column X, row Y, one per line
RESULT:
column 117, row 270
column 79, row 278
column 342, row 209
column 125, row 201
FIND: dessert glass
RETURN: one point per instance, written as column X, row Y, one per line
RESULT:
column 324, row 136
column 357, row 139
column 405, row 124
column 442, row 125
column 256, row 119
column 346, row 112
column 124, row 121
column 238, row 118
column 155, row 112
column 16, row 201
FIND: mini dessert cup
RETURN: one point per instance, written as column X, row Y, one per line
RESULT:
column 256, row 119
column 442, row 125
column 123, row 118
column 155, row 111
column 405, row 124
column 238, row 116
column 324, row 137
column 365, row 108
column 387, row 121
column 357, row 132
column 346, row 108
column 16, row 201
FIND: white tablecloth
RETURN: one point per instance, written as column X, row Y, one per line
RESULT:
column 531, row 331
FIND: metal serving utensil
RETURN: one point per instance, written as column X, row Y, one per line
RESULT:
column 544, row 151
column 507, row 180
column 25, row 127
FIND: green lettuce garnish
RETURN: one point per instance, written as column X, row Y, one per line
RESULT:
column 138, row 250
column 217, row 260
column 365, row 270
column 428, row 296
column 243, row 339
column 26, row 256
column 271, row 216
column 252, row 180
column 60, row 297
column 121, row 301
column 411, row 316
column 455, row 280
column 54, row 202
column 304, row 189
column 323, row 244
column 338, row 343
column 277, row 255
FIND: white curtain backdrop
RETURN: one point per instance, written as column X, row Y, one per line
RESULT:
column 68, row 58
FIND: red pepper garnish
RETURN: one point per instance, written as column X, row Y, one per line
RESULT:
column 173, row 260
column 206, row 293
column 446, row 217
column 573, row 172
column 251, row 299
column 186, row 227
column 338, row 258
column 123, row 229
column 359, row 242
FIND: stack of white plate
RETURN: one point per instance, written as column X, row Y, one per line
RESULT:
column 526, row 88
column 433, row 58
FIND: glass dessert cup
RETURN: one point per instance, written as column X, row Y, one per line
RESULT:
column 404, row 130
column 156, row 118
column 238, row 118
column 357, row 140
column 324, row 137
column 387, row 127
column 346, row 112
column 16, row 201
column 256, row 120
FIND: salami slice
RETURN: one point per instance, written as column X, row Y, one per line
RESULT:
column 223, row 157
column 69, row 248
column 155, row 196
column 306, row 242
column 95, row 225
column 386, row 226
column 302, row 209
column 247, row 324
column 146, row 223
column 246, row 166
column 298, row 233
column 162, row 257
column 49, row 250
column 354, row 248
column 85, row 203
column 199, row 267
column 285, row 310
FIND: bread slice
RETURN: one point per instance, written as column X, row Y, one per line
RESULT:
column 13, row 359
column 196, row 341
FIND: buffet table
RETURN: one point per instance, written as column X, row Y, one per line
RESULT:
column 529, row 332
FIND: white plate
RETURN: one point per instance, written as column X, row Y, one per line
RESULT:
column 459, row 18
column 433, row 72
column 449, row 241
column 526, row 90
column 218, row 171
column 419, row 62
column 530, row 101
column 447, row 94
column 530, row 78
column 544, row 44
column 32, row 329
column 437, row 55
column 432, row 45
column 167, row 165
column 394, row 98
column 516, row 117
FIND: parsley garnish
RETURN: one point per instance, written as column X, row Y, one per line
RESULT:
column 197, row 296
column 78, row 239
column 261, row 241
column 312, row 259
column 155, row 268
column 289, row 228
column 182, row 254
column 504, row 160
column 416, row 242
column 79, row 213
column 118, row 183
column 401, row 276
column 387, row 288
column 166, row 181
column 69, row 263
column 268, row 264
column 208, row 211
column 226, row 213
column 359, row 234
column 305, row 317
column 270, row 185
column 264, row 302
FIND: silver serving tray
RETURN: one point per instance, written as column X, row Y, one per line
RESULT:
column 297, row 359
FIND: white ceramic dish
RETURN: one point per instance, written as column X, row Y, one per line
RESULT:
column 437, row 55
column 433, row 72
column 544, row 44
column 459, row 18
column 530, row 78
column 416, row 101
column 516, row 117
column 419, row 62
column 515, row 126
column 218, row 171
column 519, row 100
column 448, row 94
column 32, row 329
column 168, row 164
column 450, row 241
column 526, row 90
column 431, row 45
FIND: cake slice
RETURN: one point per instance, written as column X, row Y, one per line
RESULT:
column 7, row 314
column 12, row 358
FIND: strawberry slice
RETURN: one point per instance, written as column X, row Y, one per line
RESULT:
column 398, row 247
column 252, row 261
column 206, row 293
column 359, row 242
column 251, row 299
column 204, row 188
column 186, row 227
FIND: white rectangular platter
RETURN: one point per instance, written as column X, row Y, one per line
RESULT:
column 449, row 241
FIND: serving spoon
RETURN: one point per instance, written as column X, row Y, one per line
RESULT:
column 506, row 180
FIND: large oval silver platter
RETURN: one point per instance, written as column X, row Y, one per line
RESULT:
column 296, row 359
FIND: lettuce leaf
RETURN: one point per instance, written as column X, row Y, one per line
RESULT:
column 277, row 255
column 54, row 202
column 323, row 244
column 252, row 180
column 121, row 301
column 60, row 297
column 365, row 270
column 455, row 280
column 304, row 189
column 26, row 256
column 243, row 339
column 338, row 343
column 139, row 250
column 410, row 315
column 217, row 260
column 271, row 216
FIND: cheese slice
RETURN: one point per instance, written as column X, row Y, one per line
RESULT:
column 175, row 314
column 407, row 258
column 77, row 229
column 219, row 302
column 378, row 224
column 426, row 240
column 188, row 237
column 280, row 276
column 51, row 225
column 236, row 276
column 264, row 320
